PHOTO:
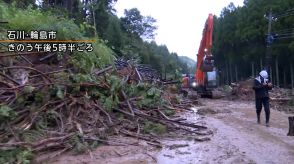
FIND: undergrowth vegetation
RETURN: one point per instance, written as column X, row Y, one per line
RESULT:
column 36, row 20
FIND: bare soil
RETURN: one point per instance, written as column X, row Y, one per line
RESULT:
column 237, row 138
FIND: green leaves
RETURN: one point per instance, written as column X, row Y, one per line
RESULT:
column 6, row 113
column 17, row 155
column 98, row 58
column 58, row 91
column 115, row 83
column 108, row 103
column 79, row 78
column 29, row 89
column 151, row 95
column 156, row 128
column 154, row 93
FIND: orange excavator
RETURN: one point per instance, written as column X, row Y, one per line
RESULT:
column 205, row 76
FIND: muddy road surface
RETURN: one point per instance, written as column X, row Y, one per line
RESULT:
column 237, row 138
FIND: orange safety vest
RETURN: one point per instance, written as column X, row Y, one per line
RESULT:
column 185, row 82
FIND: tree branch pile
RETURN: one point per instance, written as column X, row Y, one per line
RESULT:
column 243, row 90
column 280, row 98
column 49, row 107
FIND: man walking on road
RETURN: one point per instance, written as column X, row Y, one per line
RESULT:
column 261, row 86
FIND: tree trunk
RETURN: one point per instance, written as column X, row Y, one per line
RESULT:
column 68, row 4
column 224, row 75
column 291, row 71
column 236, row 73
column 231, row 73
column 256, row 70
column 227, row 73
column 284, row 78
column 261, row 64
column 164, row 73
column 277, row 72
column 291, row 126
column 252, row 69
column 271, row 75
column 94, row 22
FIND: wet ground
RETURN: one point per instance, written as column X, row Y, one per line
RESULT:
column 237, row 138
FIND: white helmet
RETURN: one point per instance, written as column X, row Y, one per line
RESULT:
column 263, row 74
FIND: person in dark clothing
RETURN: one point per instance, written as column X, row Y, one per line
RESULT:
column 261, row 86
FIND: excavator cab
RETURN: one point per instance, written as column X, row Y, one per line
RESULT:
column 211, row 78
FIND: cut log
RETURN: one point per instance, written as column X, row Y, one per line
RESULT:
column 291, row 126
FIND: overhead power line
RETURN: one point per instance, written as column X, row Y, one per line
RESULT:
column 289, row 12
column 284, row 30
column 285, row 37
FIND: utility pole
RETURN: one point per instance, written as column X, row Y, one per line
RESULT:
column 269, row 41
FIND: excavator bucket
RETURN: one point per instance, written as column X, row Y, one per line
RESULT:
column 206, row 66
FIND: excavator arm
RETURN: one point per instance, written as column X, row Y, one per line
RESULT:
column 204, row 56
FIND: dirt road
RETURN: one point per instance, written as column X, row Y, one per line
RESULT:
column 237, row 138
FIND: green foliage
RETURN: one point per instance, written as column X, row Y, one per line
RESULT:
column 102, row 10
column 6, row 113
column 80, row 78
column 58, row 91
column 36, row 20
column 114, row 34
column 39, row 97
column 32, row 135
column 152, row 98
column 115, row 83
column 239, row 38
column 139, row 25
column 81, row 145
column 150, row 94
column 109, row 26
column 169, row 112
column 109, row 99
column 108, row 103
column 154, row 93
column 98, row 58
column 155, row 128
column 33, row 19
column 18, row 155
column 29, row 89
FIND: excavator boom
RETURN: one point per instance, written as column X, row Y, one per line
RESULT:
column 204, row 51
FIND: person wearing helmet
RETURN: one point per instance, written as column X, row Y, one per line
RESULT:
column 185, row 85
column 185, row 81
column 261, row 86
